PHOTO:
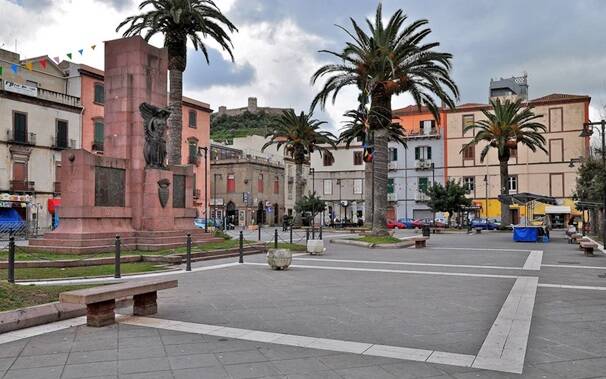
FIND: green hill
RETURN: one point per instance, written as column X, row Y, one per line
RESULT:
column 224, row 127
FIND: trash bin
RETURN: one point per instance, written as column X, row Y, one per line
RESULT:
column 426, row 231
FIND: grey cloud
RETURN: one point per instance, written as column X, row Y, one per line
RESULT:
column 33, row 4
column 117, row 4
column 199, row 75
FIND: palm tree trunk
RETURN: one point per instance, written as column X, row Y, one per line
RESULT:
column 504, row 172
column 368, row 198
column 299, row 189
column 379, row 221
column 175, row 121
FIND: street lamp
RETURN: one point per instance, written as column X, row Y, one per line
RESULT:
column 312, row 172
column 205, row 149
column 340, row 206
column 215, row 200
column 486, row 195
column 588, row 129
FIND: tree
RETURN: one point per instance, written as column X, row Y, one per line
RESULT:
column 301, row 136
column 590, row 180
column 311, row 204
column 178, row 21
column 447, row 198
column 390, row 59
column 507, row 125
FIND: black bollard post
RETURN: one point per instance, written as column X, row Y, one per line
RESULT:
column 313, row 232
column 117, row 273
column 276, row 239
column 259, row 228
column 11, row 260
column 188, row 256
column 306, row 235
column 320, row 231
column 241, row 260
column 291, row 234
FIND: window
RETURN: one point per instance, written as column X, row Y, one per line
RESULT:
column 467, row 121
column 423, row 184
column 427, row 127
column 393, row 154
column 193, row 123
column 358, row 186
column 328, row 159
column 20, row 127
column 512, row 183
column 357, row 155
column 193, row 152
column 390, row 186
column 61, row 134
column 99, row 93
column 469, row 152
column 260, row 184
column 231, row 183
column 277, row 185
column 327, row 187
column 423, row 153
column 469, row 183
column 98, row 135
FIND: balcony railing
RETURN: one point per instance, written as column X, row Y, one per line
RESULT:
column 424, row 164
column 22, row 186
column 192, row 159
column 392, row 165
column 424, row 133
column 20, row 138
column 421, row 197
column 98, row 146
column 57, row 187
column 62, row 143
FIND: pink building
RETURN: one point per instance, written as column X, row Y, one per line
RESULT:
column 88, row 83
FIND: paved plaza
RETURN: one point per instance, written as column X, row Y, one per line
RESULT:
column 468, row 306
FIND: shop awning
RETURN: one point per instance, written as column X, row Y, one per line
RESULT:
column 557, row 209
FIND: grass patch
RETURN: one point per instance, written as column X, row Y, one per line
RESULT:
column 379, row 239
column 71, row 272
column 290, row 246
column 14, row 296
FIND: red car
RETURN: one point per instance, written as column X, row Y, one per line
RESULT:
column 393, row 224
column 418, row 224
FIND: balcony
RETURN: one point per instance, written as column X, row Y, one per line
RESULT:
column 423, row 164
column 424, row 133
column 58, row 97
column 57, row 187
column 392, row 165
column 192, row 160
column 62, row 143
column 20, row 138
column 196, row 194
column 97, row 146
column 421, row 197
column 391, row 196
column 22, row 186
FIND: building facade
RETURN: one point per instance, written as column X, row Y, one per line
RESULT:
column 548, row 174
column 245, row 189
column 339, row 181
column 38, row 119
column 415, row 167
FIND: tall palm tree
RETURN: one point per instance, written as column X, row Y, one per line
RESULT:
column 390, row 59
column 507, row 125
column 178, row 21
column 300, row 136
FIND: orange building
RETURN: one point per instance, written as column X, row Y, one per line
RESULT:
column 88, row 83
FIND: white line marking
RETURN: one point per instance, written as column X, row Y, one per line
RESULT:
column 410, row 263
column 124, row 278
column 396, row 271
column 487, row 250
column 533, row 262
column 576, row 266
column 341, row 346
column 41, row 329
column 566, row 286
column 504, row 349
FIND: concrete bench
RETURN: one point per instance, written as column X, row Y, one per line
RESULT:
column 101, row 301
column 420, row 242
column 588, row 247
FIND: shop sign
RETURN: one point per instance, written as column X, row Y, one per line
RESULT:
column 22, row 89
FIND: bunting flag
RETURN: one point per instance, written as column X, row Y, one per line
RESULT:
column 42, row 63
column 93, row 47
column 15, row 68
column 57, row 59
column 81, row 51
column 29, row 65
column 69, row 55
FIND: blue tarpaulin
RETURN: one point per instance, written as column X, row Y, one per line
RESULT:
column 525, row 234
column 10, row 219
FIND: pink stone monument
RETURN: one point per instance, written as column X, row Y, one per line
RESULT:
column 115, row 193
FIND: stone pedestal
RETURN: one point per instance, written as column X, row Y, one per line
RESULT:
column 145, row 304
column 100, row 314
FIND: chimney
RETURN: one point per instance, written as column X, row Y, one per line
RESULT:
column 252, row 104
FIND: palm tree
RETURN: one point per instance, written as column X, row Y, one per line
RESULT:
column 509, row 124
column 178, row 21
column 390, row 59
column 300, row 136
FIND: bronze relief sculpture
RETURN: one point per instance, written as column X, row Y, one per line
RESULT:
column 155, row 124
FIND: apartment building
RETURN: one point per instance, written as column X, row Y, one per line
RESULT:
column 38, row 118
column 548, row 174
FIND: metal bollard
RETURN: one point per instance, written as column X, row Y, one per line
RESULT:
column 117, row 273
column 276, row 239
column 320, row 231
column 291, row 234
column 313, row 232
column 11, row 260
column 259, row 229
column 241, row 260
column 188, row 255
column 306, row 235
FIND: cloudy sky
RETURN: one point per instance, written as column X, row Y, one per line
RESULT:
column 559, row 43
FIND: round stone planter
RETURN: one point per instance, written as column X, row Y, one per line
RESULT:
column 316, row 247
column 279, row 259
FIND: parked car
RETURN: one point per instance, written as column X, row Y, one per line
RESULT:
column 418, row 224
column 440, row 223
column 408, row 222
column 482, row 223
column 392, row 224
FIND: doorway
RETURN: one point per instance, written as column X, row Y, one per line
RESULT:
column 261, row 214
column 515, row 216
column 231, row 214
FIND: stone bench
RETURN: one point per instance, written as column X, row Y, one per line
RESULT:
column 588, row 247
column 101, row 301
column 420, row 242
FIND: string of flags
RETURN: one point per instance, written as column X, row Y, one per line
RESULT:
column 43, row 62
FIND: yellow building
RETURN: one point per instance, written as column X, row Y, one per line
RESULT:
column 553, row 174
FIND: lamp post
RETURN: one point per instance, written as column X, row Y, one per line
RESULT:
column 433, row 183
column 215, row 176
column 340, row 206
column 205, row 149
column 312, row 172
column 486, row 197
column 588, row 129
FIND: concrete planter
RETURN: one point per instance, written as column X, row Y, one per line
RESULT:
column 279, row 259
column 316, row 247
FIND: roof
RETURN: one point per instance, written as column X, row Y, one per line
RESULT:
column 91, row 70
column 551, row 98
column 560, row 97
column 410, row 109
column 197, row 104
